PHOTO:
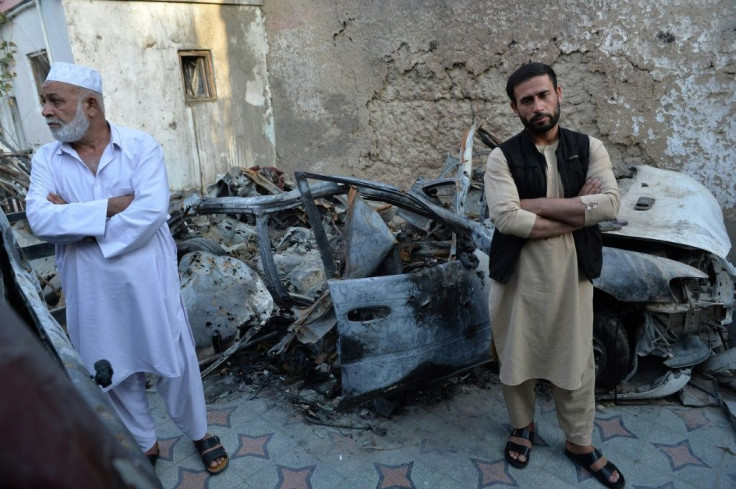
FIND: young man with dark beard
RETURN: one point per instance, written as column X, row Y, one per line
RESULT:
column 101, row 195
column 547, row 189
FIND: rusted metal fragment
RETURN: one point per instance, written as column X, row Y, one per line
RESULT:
column 316, row 321
column 630, row 276
column 402, row 330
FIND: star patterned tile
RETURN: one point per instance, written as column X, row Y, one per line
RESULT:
column 166, row 447
column 693, row 418
column 669, row 485
column 295, row 478
column 394, row 476
column 192, row 479
column 432, row 445
column 613, row 428
column 220, row 417
column 253, row 446
column 681, row 455
column 493, row 473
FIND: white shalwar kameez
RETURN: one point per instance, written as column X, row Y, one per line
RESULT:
column 122, row 287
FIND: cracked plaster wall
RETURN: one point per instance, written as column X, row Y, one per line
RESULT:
column 384, row 90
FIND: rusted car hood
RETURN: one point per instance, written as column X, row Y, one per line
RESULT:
column 684, row 211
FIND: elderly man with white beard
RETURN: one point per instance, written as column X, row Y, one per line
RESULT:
column 100, row 193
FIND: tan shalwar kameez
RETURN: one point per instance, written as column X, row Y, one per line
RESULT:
column 542, row 319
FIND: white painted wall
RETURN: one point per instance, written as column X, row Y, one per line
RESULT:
column 135, row 45
column 25, row 31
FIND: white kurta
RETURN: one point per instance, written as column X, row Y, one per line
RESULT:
column 542, row 319
column 122, row 289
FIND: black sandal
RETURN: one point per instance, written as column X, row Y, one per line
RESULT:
column 153, row 457
column 216, row 450
column 520, row 449
column 604, row 473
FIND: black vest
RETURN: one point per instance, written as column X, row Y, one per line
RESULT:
column 529, row 170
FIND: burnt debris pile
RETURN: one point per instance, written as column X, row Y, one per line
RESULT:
column 344, row 289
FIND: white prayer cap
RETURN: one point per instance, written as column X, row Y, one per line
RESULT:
column 78, row 75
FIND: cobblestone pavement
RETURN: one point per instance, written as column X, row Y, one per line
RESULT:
column 453, row 443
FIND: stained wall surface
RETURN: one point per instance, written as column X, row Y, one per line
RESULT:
column 135, row 47
column 384, row 90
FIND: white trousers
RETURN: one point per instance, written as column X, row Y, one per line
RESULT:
column 183, row 396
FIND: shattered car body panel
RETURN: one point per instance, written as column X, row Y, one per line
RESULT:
column 405, row 329
column 683, row 211
column 666, row 284
column 630, row 276
column 437, row 318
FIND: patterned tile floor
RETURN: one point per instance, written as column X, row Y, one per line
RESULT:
column 452, row 444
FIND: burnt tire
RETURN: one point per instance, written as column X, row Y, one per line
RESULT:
column 199, row 244
column 611, row 350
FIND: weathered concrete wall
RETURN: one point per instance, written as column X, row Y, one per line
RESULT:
column 27, row 33
column 383, row 89
column 135, row 47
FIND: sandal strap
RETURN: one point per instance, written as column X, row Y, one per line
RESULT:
column 213, row 454
column 153, row 458
column 604, row 473
column 520, row 449
column 607, row 471
column 588, row 459
column 523, row 433
column 206, row 443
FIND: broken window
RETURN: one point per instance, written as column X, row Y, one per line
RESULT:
column 40, row 66
column 196, row 69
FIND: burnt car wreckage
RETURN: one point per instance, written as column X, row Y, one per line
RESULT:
column 663, row 302
column 395, row 292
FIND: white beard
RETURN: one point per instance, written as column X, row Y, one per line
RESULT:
column 72, row 131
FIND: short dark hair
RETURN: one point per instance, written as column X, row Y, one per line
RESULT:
column 526, row 72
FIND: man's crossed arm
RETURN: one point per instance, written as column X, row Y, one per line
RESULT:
column 115, row 205
column 557, row 216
